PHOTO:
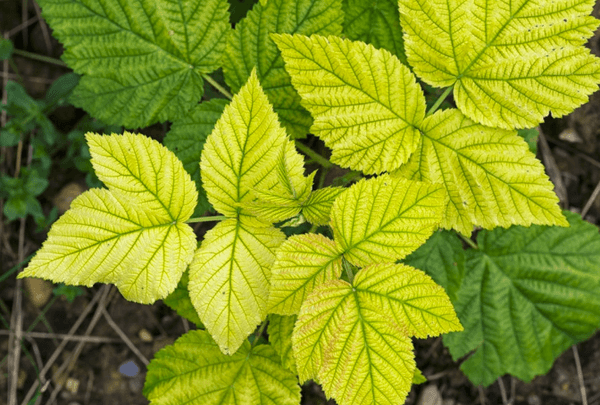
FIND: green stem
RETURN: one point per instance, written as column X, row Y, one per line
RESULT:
column 348, row 269
column 206, row 219
column 42, row 58
column 439, row 101
column 217, row 86
column 258, row 334
column 314, row 155
column 468, row 241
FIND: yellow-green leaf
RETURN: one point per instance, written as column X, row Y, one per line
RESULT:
column 194, row 372
column 511, row 63
column 355, row 339
column 317, row 207
column 145, row 172
column 490, row 175
column 229, row 279
column 106, row 237
column 384, row 219
column 133, row 234
column 365, row 103
column 243, row 150
column 303, row 262
column 280, row 337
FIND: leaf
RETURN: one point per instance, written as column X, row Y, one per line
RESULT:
column 179, row 301
column 133, row 234
column 528, row 294
column 195, row 372
column 317, row 207
column 491, row 177
column 384, row 219
column 187, row 137
column 367, row 105
column 141, row 62
column 280, row 336
column 6, row 48
column 510, row 64
column 303, row 262
column 242, row 152
column 442, row 257
column 418, row 377
column 376, row 23
column 355, row 338
column 251, row 47
column 229, row 279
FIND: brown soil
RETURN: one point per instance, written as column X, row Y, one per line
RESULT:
column 94, row 377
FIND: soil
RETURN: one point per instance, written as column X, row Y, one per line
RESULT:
column 94, row 376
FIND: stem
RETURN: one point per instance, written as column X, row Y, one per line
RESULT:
column 258, row 334
column 42, row 58
column 206, row 219
column 439, row 101
column 349, row 271
column 468, row 241
column 314, row 155
column 217, row 86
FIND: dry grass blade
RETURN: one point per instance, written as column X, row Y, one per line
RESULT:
column 553, row 171
column 580, row 375
column 123, row 336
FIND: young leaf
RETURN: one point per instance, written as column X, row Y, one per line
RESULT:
column 280, row 336
column 528, row 294
column 141, row 63
column 229, row 279
column 145, row 172
column 317, row 207
column 250, row 47
column 303, row 262
column 179, row 300
column 186, row 140
column 133, row 234
column 384, row 219
column 490, row 175
column 376, row 23
column 193, row 371
column 442, row 257
column 242, row 152
column 510, row 64
column 366, row 104
column 355, row 338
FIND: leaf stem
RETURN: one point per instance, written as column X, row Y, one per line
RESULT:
column 439, row 101
column 258, row 334
column 314, row 155
column 42, row 58
column 206, row 219
column 217, row 86
column 348, row 269
column 468, row 241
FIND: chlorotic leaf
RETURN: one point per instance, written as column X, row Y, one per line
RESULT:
column 179, row 300
column 384, row 219
column 280, row 337
column 491, row 177
column 133, row 234
column 317, row 208
column 106, row 237
column 418, row 377
column 442, row 257
column 510, row 64
column 141, row 63
column 229, row 279
column 193, row 371
column 528, row 294
column 355, row 338
column 146, row 172
column 242, row 152
column 250, row 47
column 376, row 23
column 303, row 262
column 366, row 104
column 186, row 140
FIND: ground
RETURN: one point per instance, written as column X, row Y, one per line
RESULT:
column 116, row 337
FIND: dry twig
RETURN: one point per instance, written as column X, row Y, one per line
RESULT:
column 580, row 375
